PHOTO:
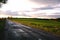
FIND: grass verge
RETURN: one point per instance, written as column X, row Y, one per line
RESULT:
column 2, row 25
column 49, row 25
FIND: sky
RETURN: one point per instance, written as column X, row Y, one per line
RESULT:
column 31, row 8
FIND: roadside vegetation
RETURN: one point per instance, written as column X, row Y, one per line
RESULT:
column 49, row 25
column 2, row 25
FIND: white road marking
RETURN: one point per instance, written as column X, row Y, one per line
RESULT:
column 18, row 30
column 15, row 33
column 16, row 25
column 39, row 39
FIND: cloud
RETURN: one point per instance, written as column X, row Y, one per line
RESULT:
column 43, row 8
column 16, row 13
column 49, row 2
column 53, row 7
column 11, row 13
column 53, row 15
column 34, row 8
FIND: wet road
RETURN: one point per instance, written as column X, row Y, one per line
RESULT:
column 14, row 31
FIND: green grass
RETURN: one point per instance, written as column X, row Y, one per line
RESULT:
column 52, row 26
column 2, row 25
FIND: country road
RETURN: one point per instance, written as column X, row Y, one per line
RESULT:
column 14, row 31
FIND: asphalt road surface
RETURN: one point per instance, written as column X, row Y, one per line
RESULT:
column 14, row 31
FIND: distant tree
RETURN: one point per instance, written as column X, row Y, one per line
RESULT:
column 58, row 19
column 55, row 19
column 2, row 1
column 10, row 17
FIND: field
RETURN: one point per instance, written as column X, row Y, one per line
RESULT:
column 48, row 25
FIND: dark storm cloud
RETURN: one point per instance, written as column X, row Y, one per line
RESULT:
column 51, row 2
